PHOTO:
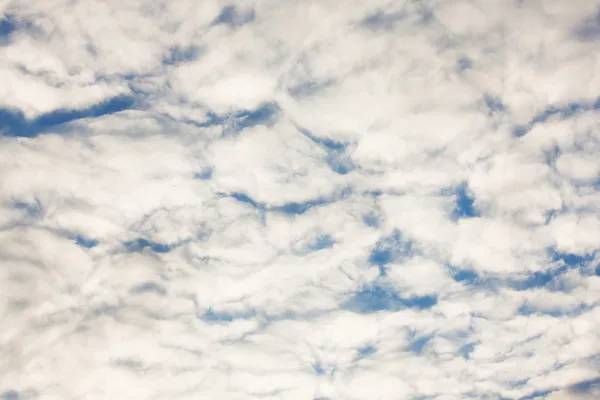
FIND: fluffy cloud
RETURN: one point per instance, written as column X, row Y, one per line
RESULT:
column 299, row 200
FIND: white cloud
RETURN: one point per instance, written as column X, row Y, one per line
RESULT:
column 202, row 240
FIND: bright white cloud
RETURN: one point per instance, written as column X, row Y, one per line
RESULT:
column 299, row 200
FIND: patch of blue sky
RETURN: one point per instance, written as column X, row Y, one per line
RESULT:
column 378, row 297
column 14, row 123
column 233, row 17
column 11, row 395
column 528, row 310
column 33, row 210
column 372, row 220
column 179, row 55
column 466, row 276
column 589, row 28
column 321, row 242
column 205, row 174
column 494, row 104
column 390, row 248
column 85, row 242
column 149, row 287
column 141, row 244
column 365, row 351
column 418, row 344
column 219, row 316
column 466, row 349
column 465, row 203
column 563, row 112
column 381, row 21
column 8, row 25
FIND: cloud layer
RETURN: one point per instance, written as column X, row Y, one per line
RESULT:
column 299, row 200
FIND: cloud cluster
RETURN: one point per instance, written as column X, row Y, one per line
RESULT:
column 299, row 200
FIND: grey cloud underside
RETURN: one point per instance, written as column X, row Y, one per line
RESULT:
column 300, row 201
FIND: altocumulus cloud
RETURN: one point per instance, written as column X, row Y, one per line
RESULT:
column 299, row 200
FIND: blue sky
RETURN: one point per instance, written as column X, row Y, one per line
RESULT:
column 299, row 200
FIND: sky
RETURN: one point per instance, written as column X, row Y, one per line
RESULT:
column 296, row 199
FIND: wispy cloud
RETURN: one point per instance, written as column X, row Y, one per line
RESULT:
column 299, row 200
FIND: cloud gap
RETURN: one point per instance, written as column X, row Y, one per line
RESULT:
column 380, row 297
column 11, row 395
column 35, row 210
column 466, row 349
column 589, row 28
column 324, row 142
column 233, row 17
column 464, row 63
column 148, row 287
column 391, row 248
column 465, row 203
column 8, row 25
column 235, row 122
column 527, row 310
column 563, row 112
column 365, row 351
column 321, row 242
column 244, row 198
column 14, row 123
column 466, row 276
column 140, row 244
column 289, row 208
column 319, row 369
column 418, row 344
column 494, row 104
column 336, row 158
column 538, row 394
column 205, row 174
column 381, row 21
column 182, row 55
column 587, row 386
column 220, row 317
column 308, row 89
column 372, row 220
column 85, row 242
